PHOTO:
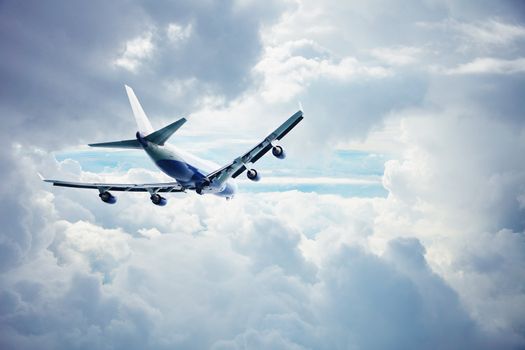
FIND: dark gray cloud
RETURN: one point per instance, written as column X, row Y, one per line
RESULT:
column 58, row 72
column 394, row 294
column 55, row 69
column 494, row 96
column 223, row 45
column 343, row 111
column 16, row 239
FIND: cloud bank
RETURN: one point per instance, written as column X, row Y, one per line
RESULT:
column 433, row 86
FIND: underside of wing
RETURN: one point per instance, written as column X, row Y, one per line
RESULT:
column 152, row 188
column 238, row 166
column 103, row 188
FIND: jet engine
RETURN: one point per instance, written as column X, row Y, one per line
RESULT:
column 107, row 197
column 203, row 187
column 278, row 152
column 158, row 200
column 253, row 175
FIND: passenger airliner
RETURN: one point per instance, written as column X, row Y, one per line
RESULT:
column 189, row 172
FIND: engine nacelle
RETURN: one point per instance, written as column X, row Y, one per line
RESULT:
column 158, row 200
column 253, row 175
column 278, row 152
column 202, row 187
column 107, row 197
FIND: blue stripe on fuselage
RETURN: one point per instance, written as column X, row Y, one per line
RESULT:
column 184, row 173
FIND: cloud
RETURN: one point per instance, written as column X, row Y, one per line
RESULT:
column 288, row 269
column 397, row 55
column 441, row 254
column 318, row 180
column 490, row 66
column 470, row 192
column 136, row 50
column 63, row 61
column 102, row 250
column 177, row 33
column 491, row 32
column 474, row 162
column 401, row 275
column 228, row 286
column 286, row 73
column 487, row 34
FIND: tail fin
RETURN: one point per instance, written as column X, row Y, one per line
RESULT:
column 159, row 137
column 142, row 120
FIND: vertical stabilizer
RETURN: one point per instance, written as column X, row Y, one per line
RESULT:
column 143, row 124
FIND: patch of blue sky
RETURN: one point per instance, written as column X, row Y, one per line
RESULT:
column 363, row 167
column 345, row 190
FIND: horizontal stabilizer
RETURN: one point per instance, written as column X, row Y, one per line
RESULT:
column 160, row 136
column 118, row 144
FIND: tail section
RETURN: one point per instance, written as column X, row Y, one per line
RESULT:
column 142, row 120
column 158, row 137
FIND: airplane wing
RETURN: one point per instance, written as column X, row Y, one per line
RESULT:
column 152, row 188
column 238, row 166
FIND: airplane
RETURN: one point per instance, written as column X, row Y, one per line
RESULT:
column 189, row 172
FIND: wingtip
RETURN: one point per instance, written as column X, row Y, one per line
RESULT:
column 40, row 176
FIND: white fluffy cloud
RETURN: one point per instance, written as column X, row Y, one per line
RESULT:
column 135, row 52
column 461, row 198
column 289, row 270
column 291, row 67
column 241, row 280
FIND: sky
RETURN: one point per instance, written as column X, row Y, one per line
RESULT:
column 397, row 220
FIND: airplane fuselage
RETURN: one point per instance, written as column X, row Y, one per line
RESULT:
column 189, row 170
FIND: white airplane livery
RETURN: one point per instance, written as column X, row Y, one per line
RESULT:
column 189, row 172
